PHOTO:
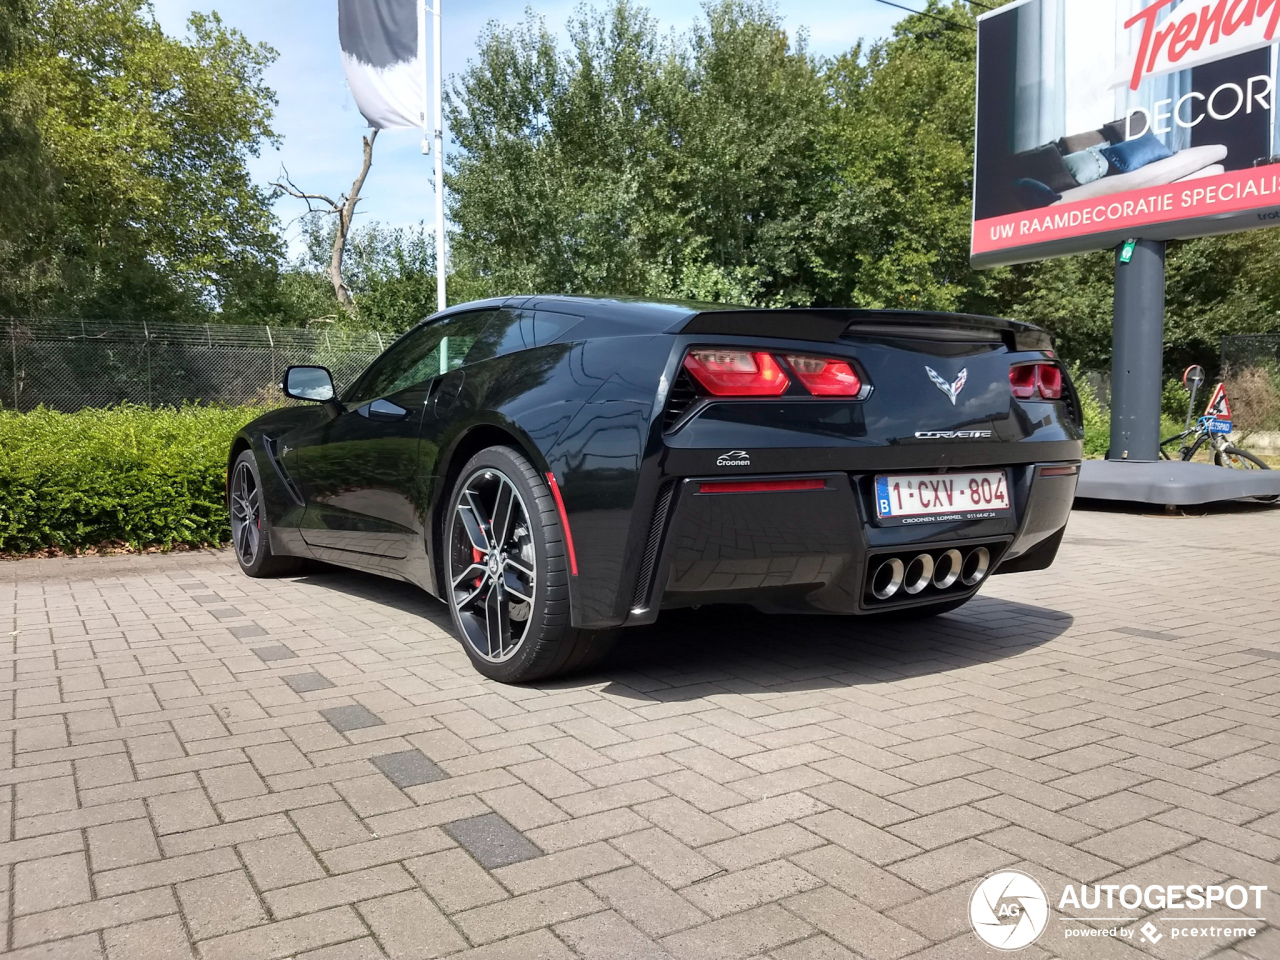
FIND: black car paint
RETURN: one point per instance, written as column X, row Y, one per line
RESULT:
column 589, row 407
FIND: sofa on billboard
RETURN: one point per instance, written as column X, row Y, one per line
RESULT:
column 1101, row 162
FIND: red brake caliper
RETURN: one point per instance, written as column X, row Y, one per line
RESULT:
column 476, row 556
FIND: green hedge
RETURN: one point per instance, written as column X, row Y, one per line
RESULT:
column 131, row 474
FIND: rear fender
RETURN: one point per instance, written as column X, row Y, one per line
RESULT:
column 607, row 464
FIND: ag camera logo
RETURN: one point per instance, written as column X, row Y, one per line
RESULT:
column 1009, row 910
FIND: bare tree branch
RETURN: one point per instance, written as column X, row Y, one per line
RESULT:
column 344, row 208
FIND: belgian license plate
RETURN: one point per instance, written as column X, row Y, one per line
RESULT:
column 963, row 496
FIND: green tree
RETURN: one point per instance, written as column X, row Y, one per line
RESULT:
column 730, row 164
column 143, row 140
column 567, row 168
column 24, row 177
column 902, row 137
column 632, row 164
column 390, row 272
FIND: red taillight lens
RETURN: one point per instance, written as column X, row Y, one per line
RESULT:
column 1029, row 379
column 759, row 486
column 1022, row 380
column 737, row 373
column 826, row 376
column 1050, row 375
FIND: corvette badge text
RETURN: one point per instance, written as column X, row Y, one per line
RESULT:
column 1009, row 910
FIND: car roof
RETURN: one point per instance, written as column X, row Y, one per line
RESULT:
column 639, row 314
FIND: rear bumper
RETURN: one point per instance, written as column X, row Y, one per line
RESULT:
column 814, row 550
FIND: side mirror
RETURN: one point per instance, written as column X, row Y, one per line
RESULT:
column 308, row 383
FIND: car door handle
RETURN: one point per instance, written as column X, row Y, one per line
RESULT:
column 383, row 410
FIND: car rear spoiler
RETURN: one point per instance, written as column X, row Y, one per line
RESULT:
column 829, row 325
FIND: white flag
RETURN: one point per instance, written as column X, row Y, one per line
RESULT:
column 383, row 63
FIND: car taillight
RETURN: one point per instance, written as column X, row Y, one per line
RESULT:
column 1029, row 379
column 737, row 373
column 826, row 376
column 1022, row 380
column 1050, row 375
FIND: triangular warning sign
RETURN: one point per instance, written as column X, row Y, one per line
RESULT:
column 1219, row 406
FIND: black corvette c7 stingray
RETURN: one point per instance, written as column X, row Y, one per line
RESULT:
column 557, row 467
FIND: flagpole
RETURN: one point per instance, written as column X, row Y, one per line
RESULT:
column 434, row 131
column 439, row 158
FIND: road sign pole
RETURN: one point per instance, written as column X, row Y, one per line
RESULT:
column 1137, row 352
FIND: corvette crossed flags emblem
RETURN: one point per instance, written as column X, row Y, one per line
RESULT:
column 952, row 390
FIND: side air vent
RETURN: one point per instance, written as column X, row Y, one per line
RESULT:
column 683, row 395
column 661, row 509
column 1072, row 399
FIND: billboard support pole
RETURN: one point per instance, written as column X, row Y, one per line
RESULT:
column 1137, row 354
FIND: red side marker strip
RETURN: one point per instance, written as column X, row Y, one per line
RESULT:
column 759, row 486
column 564, row 522
column 1059, row 471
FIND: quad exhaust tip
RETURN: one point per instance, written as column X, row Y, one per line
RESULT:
column 913, row 576
column 887, row 579
column 919, row 574
column 975, row 566
column 947, row 570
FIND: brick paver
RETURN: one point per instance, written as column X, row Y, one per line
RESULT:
column 195, row 764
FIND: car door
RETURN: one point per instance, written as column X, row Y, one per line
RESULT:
column 360, row 470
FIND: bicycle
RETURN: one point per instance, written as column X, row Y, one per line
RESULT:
column 1214, row 429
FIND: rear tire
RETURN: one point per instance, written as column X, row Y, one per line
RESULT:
column 507, row 574
column 250, row 525
column 1250, row 463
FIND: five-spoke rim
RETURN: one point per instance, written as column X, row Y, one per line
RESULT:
column 492, row 565
column 246, row 514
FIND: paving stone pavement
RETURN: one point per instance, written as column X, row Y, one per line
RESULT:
column 195, row 764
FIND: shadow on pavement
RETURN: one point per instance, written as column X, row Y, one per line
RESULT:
column 690, row 653
column 397, row 594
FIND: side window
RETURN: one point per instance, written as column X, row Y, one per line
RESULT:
column 549, row 327
column 515, row 330
column 420, row 355
column 509, row 332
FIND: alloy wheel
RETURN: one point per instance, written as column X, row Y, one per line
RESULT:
column 492, row 568
column 246, row 514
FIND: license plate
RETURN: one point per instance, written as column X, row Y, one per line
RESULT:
column 940, row 495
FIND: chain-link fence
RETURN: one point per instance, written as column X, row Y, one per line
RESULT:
column 71, row 364
column 1251, row 370
column 1251, row 350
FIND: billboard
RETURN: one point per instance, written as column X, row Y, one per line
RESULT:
column 1100, row 120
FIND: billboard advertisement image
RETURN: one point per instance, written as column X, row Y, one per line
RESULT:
column 1100, row 120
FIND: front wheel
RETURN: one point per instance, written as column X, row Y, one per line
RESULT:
column 1233, row 456
column 250, row 525
column 506, row 562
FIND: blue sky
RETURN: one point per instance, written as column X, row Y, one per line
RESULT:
column 321, row 127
